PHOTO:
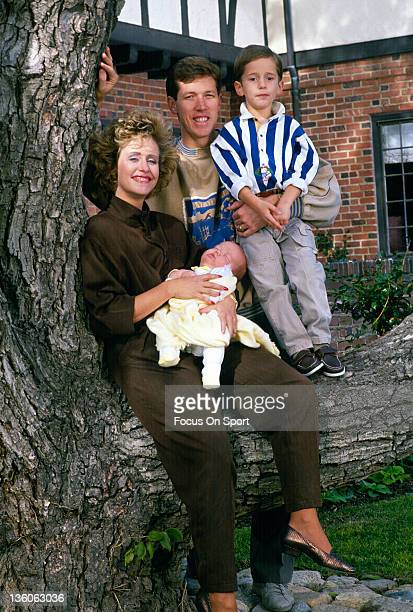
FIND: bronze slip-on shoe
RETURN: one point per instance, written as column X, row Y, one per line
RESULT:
column 295, row 544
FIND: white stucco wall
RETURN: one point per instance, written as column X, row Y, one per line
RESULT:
column 165, row 15
column 317, row 23
column 203, row 18
column 327, row 23
column 131, row 12
column 249, row 28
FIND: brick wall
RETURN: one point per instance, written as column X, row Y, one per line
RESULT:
column 137, row 90
column 337, row 102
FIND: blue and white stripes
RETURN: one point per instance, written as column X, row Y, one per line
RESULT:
column 273, row 155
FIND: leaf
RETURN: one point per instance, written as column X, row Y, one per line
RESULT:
column 140, row 550
column 150, row 548
column 129, row 556
column 175, row 535
column 165, row 542
column 381, row 488
column 155, row 536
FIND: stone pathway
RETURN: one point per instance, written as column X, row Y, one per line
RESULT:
column 336, row 594
column 312, row 593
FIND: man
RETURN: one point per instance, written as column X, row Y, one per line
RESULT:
column 196, row 196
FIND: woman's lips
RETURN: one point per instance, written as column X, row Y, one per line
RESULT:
column 141, row 179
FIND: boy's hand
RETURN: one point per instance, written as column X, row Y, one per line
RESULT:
column 261, row 206
column 108, row 77
column 247, row 221
column 267, row 213
column 282, row 212
column 283, row 209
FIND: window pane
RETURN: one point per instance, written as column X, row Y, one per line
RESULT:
column 390, row 136
column 408, row 185
column 395, row 210
column 409, row 211
column 396, row 236
column 394, row 187
column 393, row 169
column 392, row 161
column 407, row 134
column 408, row 155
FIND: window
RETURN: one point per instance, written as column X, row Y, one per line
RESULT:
column 393, row 157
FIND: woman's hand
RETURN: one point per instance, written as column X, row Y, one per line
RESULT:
column 227, row 313
column 180, row 273
column 195, row 287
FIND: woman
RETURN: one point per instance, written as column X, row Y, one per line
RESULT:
column 126, row 254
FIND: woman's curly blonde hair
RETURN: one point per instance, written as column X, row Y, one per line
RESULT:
column 104, row 150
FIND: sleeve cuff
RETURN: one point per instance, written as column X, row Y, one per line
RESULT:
column 120, row 321
column 297, row 182
column 238, row 184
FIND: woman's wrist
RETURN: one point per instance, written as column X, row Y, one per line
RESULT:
column 168, row 288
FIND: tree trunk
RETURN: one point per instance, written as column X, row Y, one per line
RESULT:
column 366, row 421
column 80, row 479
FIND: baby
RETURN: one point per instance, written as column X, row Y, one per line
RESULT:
column 180, row 326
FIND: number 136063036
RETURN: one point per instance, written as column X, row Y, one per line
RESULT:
column 28, row 598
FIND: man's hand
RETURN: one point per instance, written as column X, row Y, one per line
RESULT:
column 227, row 313
column 246, row 220
column 108, row 77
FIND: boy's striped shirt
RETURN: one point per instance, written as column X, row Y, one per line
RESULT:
column 263, row 157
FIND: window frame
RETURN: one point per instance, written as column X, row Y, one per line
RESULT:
column 379, row 175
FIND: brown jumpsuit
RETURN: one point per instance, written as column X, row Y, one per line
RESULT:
column 124, row 252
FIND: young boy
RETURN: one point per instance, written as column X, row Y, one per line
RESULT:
column 264, row 151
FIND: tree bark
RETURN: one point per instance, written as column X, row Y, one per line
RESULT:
column 80, row 479
column 73, row 495
column 366, row 421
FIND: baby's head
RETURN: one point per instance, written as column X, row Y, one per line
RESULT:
column 226, row 253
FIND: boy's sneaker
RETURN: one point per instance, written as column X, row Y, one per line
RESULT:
column 306, row 362
column 329, row 359
column 275, row 597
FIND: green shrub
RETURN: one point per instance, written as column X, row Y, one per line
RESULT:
column 325, row 245
column 382, row 299
column 374, row 485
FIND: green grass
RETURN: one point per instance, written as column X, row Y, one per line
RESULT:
column 375, row 536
